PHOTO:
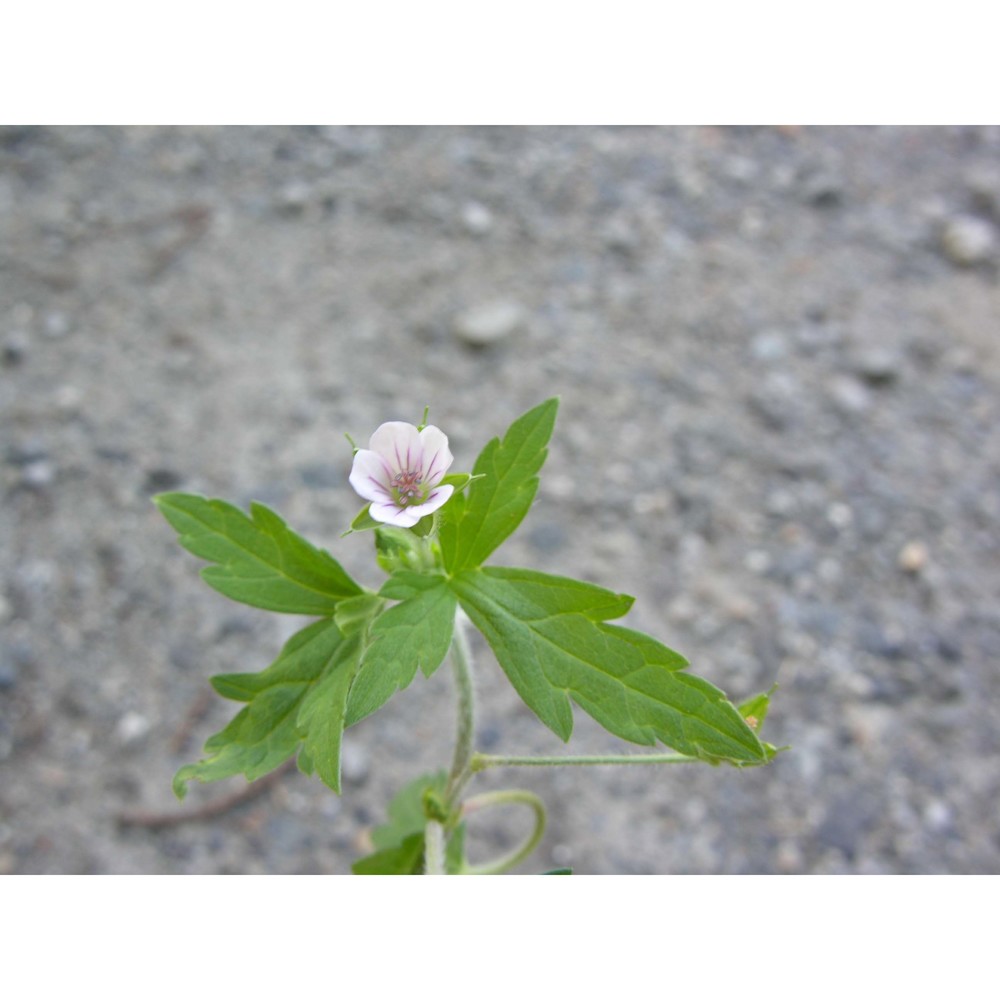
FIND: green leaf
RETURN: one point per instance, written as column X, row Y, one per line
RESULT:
column 299, row 699
column 399, row 842
column 355, row 613
column 497, row 503
column 323, row 713
column 260, row 560
column 406, row 810
column 406, row 858
column 548, row 636
column 559, row 871
column 754, row 709
column 414, row 634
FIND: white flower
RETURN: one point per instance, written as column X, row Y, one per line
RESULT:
column 400, row 472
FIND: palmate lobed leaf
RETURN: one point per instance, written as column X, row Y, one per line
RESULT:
column 505, row 480
column 550, row 637
column 329, row 676
column 300, row 699
column 259, row 560
column 410, row 636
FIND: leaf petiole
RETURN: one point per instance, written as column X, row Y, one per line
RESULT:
column 511, row 860
column 482, row 761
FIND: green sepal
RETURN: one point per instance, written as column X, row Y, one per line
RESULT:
column 424, row 527
column 506, row 474
column 258, row 560
column 460, row 480
column 363, row 521
column 399, row 549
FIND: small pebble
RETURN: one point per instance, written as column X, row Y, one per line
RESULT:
column 938, row 815
column 877, row 365
column 757, row 561
column 477, row 218
column 488, row 324
column 39, row 474
column 56, row 325
column 984, row 186
column 839, row 515
column 15, row 347
column 913, row 557
column 67, row 398
column 769, row 346
column 968, row 240
column 132, row 728
column 355, row 763
column 8, row 670
column 293, row 198
column 848, row 395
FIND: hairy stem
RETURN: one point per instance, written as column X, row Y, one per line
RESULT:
column 482, row 761
column 434, row 848
column 461, row 659
column 515, row 857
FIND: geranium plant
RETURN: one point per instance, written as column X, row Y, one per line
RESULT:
column 433, row 533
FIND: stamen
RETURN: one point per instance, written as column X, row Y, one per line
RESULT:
column 406, row 487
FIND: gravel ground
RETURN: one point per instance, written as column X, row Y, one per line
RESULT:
column 778, row 352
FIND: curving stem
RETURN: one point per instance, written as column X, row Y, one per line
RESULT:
column 507, row 861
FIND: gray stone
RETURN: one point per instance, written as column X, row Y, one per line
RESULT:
column 8, row 669
column 769, row 346
column 39, row 474
column 355, row 763
column 56, row 325
column 477, row 218
column 293, row 198
column 984, row 187
column 132, row 729
column 775, row 401
column 968, row 240
column 848, row 395
column 822, row 189
column 877, row 365
column 489, row 323
column 15, row 347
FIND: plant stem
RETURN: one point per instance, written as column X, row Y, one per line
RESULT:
column 461, row 659
column 481, row 761
column 515, row 857
column 434, row 848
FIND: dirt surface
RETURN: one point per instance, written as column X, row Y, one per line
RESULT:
column 778, row 352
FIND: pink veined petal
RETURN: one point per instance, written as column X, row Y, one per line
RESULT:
column 399, row 444
column 388, row 513
column 437, row 457
column 435, row 499
column 370, row 475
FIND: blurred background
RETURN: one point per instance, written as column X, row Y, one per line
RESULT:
column 778, row 353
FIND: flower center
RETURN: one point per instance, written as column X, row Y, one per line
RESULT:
column 406, row 487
